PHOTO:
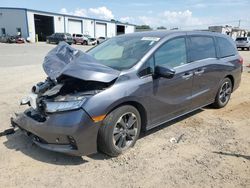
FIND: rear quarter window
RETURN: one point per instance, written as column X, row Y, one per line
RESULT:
column 201, row 47
column 226, row 47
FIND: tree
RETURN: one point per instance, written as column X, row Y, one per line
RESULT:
column 143, row 27
column 161, row 27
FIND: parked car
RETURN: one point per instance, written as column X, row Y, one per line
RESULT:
column 243, row 42
column 58, row 37
column 8, row 39
column 130, row 83
column 79, row 38
column 19, row 40
column 101, row 39
column 90, row 40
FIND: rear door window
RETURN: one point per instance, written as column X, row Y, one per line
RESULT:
column 201, row 47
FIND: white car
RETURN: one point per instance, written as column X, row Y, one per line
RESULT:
column 243, row 42
column 90, row 40
column 101, row 39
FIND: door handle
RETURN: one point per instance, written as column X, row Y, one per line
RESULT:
column 199, row 71
column 187, row 75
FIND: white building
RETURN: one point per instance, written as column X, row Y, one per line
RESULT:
column 39, row 24
column 233, row 32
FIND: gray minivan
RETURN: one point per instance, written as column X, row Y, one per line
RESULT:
column 104, row 98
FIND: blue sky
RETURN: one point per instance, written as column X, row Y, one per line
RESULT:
column 185, row 14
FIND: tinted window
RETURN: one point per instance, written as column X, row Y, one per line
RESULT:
column 241, row 39
column 78, row 35
column 226, row 47
column 172, row 53
column 202, row 48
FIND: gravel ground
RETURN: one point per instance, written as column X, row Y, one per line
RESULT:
column 214, row 150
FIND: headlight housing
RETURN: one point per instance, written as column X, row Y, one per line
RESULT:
column 64, row 103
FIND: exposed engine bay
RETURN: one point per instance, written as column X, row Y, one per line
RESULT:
column 73, row 76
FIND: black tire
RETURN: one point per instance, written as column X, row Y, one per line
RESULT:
column 223, row 94
column 85, row 42
column 113, row 138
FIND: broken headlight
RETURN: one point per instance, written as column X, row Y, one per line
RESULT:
column 64, row 104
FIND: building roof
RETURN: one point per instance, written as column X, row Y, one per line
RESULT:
column 164, row 33
column 68, row 15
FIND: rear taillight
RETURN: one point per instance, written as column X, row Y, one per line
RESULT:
column 241, row 61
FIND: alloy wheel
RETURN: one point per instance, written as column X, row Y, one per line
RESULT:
column 125, row 131
column 225, row 92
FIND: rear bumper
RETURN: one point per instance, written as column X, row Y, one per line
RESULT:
column 237, row 77
column 243, row 45
column 70, row 132
column 79, row 41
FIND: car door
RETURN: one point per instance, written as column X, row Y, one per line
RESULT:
column 203, row 58
column 171, row 97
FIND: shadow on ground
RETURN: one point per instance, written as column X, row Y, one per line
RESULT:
column 21, row 143
column 233, row 155
column 164, row 125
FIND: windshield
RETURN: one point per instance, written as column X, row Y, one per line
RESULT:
column 122, row 52
column 241, row 39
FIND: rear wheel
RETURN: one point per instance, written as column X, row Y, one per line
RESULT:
column 120, row 131
column 223, row 94
column 85, row 42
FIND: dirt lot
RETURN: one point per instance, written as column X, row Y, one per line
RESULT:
column 213, row 152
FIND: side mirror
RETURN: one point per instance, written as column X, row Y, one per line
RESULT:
column 164, row 72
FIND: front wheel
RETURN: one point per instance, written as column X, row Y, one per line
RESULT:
column 224, row 94
column 120, row 130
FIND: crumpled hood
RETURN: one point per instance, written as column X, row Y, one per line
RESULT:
column 66, row 60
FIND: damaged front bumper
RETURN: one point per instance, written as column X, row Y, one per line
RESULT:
column 71, row 132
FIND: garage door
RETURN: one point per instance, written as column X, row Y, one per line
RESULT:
column 75, row 26
column 100, row 30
